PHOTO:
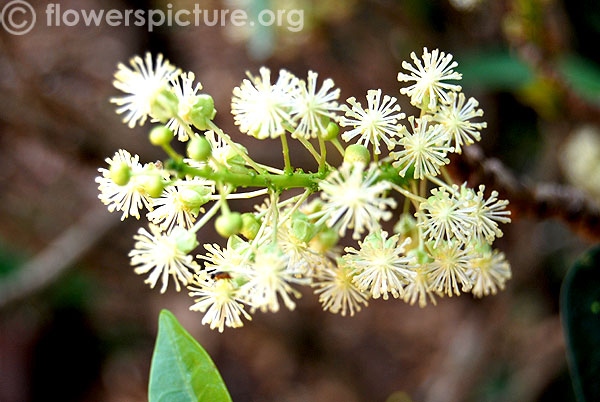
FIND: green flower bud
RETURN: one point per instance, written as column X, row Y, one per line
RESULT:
column 325, row 240
column 250, row 226
column 153, row 185
column 185, row 240
column 419, row 255
column 203, row 111
column 160, row 135
column 332, row 131
column 303, row 230
column 357, row 153
column 405, row 225
column 199, row 149
column 120, row 173
column 229, row 224
column 164, row 105
column 194, row 198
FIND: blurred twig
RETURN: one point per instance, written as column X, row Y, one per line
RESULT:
column 539, row 200
column 58, row 256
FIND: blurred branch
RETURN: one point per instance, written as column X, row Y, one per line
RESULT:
column 538, row 200
column 58, row 256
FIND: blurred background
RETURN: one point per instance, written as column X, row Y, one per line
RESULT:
column 76, row 324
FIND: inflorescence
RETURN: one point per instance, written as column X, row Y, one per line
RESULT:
column 440, row 245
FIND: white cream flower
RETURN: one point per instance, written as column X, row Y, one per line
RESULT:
column 446, row 216
column 429, row 88
column 221, row 301
column 337, row 291
column 418, row 288
column 378, row 122
column 130, row 198
column 158, row 254
column 269, row 279
column 450, row 268
column 455, row 118
column 381, row 264
column 424, row 149
column 488, row 213
column 230, row 259
column 312, row 109
column 262, row 109
column 186, row 91
column 489, row 272
column 141, row 83
column 180, row 204
column 354, row 199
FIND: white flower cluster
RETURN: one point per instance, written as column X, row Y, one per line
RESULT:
column 441, row 243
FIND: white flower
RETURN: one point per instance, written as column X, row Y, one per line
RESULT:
column 180, row 204
column 381, row 264
column 337, row 291
column 221, row 301
column 444, row 216
column 455, row 118
column 354, row 199
column 424, row 149
column 418, row 287
column 450, row 268
column 230, row 259
column 157, row 253
column 141, row 84
column 262, row 109
column 428, row 77
column 312, row 109
column 379, row 121
column 489, row 272
column 130, row 198
column 186, row 91
column 487, row 214
column 269, row 279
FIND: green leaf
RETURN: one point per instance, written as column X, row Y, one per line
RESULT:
column 493, row 69
column 580, row 311
column 583, row 75
column 181, row 369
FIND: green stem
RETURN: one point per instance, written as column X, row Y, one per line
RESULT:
column 172, row 153
column 286, row 153
column 338, row 146
column 310, row 148
column 323, row 157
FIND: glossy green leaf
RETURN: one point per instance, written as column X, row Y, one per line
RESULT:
column 580, row 312
column 181, row 369
column 583, row 76
column 493, row 69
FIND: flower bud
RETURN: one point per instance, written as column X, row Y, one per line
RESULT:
column 199, row 149
column 120, row 173
column 164, row 105
column 229, row 224
column 420, row 256
column 303, row 230
column 194, row 197
column 153, row 185
column 357, row 153
column 185, row 240
column 160, row 135
column 332, row 131
column 203, row 111
column 250, row 226
column 405, row 225
column 325, row 240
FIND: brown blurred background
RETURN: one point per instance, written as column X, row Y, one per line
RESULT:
column 76, row 324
